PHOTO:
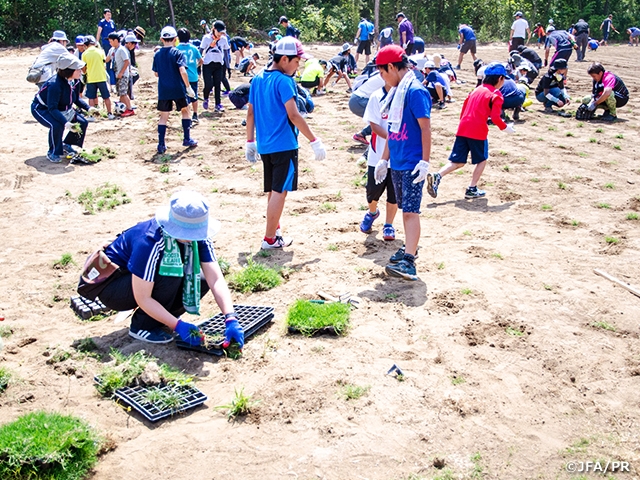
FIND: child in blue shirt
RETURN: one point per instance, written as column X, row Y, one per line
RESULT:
column 273, row 121
column 194, row 60
column 170, row 67
column 407, row 150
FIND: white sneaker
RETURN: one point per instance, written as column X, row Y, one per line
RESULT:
column 111, row 116
column 279, row 243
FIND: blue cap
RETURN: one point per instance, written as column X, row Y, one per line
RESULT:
column 495, row 68
column 80, row 40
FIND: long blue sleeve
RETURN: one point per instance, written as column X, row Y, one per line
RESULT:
column 55, row 94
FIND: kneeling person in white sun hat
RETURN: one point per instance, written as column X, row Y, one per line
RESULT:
column 165, row 265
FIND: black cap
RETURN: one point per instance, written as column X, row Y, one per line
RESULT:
column 219, row 25
column 560, row 64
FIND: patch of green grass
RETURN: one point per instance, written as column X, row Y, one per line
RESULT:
column 583, row 154
column 359, row 181
column 255, row 277
column 350, row 391
column 617, row 147
column 64, row 261
column 307, row 317
column 630, row 216
column 562, row 186
column 363, row 207
column 448, row 148
column 467, row 233
column 440, row 266
column 599, row 130
column 575, row 223
column 579, row 446
column 498, row 256
column 441, row 164
column 98, row 153
column 504, row 153
column 534, row 124
column 620, row 136
column 506, row 168
column 552, row 128
column 457, row 380
column 466, row 291
column 85, row 345
column 603, row 205
column 459, row 172
column 604, row 326
column 59, row 356
column 569, row 134
column 240, row 405
column 535, row 180
column 446, row 474
column 546, row 207
column 580, row 124
column 391, row 296
column 264, row 254
column 327, row 207
column 164, row 168
column 547, row 286
column 105, row 197
column 478, row 468
column 611, row 240
column 515, row 332
column 332, row 247
column 5, row 331
column 5, row 378
column 593, row 140
column 610, row 186
column 224, row 265
column 47, row 446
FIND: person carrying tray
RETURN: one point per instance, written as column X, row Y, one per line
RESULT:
column 162, row 267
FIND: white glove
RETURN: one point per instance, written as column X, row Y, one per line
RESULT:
column 190, row 92
column 422, row 168
column 510, row 128
column 68, row 126
column 355, row 40
column 93, row 111
column 404, row 46
column 251, row 152
column 380, row 173
column 592, row 105
column 318, row 149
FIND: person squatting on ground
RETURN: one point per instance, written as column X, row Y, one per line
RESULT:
column 169, row 66
column 238, row 45
column 194, row 60
column 436, row 84
column 484, row 102
column 363, row 39
column 513, row 97
column 407, row 151
column 120, row 61
column 405, row 33
column 53, row 107
column 369, row 82
column 273, row 122
column 313, row 76
column 165, row 266
column 466, row 43
column 609, row 92
column 248, row 65
column 96, row 75
column 550, row 89
column 105, row 27
column 213, row 69
column 377, row 123
column 634, row 36
column 45, row 63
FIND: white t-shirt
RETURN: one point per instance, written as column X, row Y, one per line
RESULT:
column 214, row 54
column 519, row 28
column 372, row 114
column 375, row 82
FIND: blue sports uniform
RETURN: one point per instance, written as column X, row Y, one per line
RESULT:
column 107, row 28
column 167, row 62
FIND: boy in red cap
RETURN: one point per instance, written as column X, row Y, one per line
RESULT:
column 485, row 101
column 408, row 148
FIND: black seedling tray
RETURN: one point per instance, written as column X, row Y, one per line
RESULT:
column 320, row 331
column 85, row 308
column 191, row 397
column 251, row 320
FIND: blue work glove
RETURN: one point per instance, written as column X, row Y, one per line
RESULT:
column 189, row 333
column 232, row 331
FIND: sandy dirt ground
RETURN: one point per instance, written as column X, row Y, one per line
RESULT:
column 518, row 359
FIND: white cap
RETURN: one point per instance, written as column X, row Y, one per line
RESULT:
column 168, row 32
column 290, row 46
column 429, row 64
column 131, row 38
column 69, row 61
column 59, row 35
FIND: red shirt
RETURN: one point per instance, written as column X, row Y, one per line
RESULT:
column 484, row 102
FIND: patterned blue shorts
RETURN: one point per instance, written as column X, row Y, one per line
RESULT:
column 408, row 194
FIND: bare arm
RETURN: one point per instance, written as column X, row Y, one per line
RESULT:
column 250, row 124
column 124, row 68
column 425, row 126
column 529, row 34
column 605, row 94
column 461, row 41
column 297, row 120
column 511, row 35
column 142, row 293
column 378, row 130
column 185, row 77
column 440, row 92
column 98, row 34
column 218, row 285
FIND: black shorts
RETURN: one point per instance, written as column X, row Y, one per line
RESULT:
column 167, row 105
column 479, row 150
column 311, row 84
column 468, row 46
column 280, row 171
column 375, row 191
column 364, row 47
column 516, row 42
column 409, row 49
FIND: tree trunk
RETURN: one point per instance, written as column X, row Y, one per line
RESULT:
column 135, row 10
column 152, row 16
column 173, row 17
column 376, row 16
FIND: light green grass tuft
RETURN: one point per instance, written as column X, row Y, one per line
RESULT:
column 255, row 277
column 240, row 405
column 307, row 317
column 350, row 391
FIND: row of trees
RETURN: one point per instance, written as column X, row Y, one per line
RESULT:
column 321, row 20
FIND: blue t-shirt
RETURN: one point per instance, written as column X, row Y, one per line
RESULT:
column 107, row 28
column 270, row 90
column 405, row 147
column 509, row 88
column 594, row 44
column 606, row 25
column 167, row 62
column 140, row 249
column 191, row 56
column 365, row 29
column 436, row 77
column 467, row 33
column 634, row 31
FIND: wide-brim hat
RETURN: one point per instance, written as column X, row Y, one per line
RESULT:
column 187, row 217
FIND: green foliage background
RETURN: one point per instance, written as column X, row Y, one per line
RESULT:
column 320, row 20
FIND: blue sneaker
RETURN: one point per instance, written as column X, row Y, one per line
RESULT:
column 433, row 181
column 150, row 336
column 190, row 143
column 205, row 104
column 54, row 158
column 162, row 148
column 367, row 222
column 388, row 232
column 402, row 269
column 399, row 255
column 68, row 149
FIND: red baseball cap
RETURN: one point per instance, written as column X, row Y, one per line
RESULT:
column 389, row 54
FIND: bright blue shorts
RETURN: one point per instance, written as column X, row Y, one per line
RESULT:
column 408, row 194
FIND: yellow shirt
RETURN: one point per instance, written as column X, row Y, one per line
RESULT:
column 312, row 70
column 96, row 71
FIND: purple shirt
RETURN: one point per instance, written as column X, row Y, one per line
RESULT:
column 405, row 26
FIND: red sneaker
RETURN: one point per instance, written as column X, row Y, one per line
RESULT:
column 358, row 137
column 127, row 113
